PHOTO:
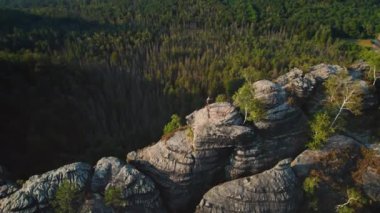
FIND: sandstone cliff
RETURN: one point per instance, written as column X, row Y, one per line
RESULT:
column 218, row 163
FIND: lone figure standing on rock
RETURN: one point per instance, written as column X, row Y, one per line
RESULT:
column 208, row 101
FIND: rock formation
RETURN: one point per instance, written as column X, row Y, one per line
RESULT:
column 335, row 158
column 190, row 161
column 234, row 166
column 138, row 191
column 36, row 192
column 275, row 190
column 282, row 131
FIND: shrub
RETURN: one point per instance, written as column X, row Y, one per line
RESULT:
column 221, row 98
column 321, row 130
column 251, row 107
column 174, row 124
column 354, row 200
column 67, row 198
column 310, row 186
column 113, row 197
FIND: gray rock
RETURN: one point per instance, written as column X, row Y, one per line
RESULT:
column 275, row 190
column 357, row 70
column 190, row 161
column 105, row 170
column 282, row 134
column 370, row 100
column 138, row 191
column 268, row 93
column 36, row 192
column 371, row 183
column 371, row 175
column 321, row 72
column 339, row 146
column 297, row 84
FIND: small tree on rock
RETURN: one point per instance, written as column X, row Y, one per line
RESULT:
column 253, row 109
column 174, row 124
column 343, row 94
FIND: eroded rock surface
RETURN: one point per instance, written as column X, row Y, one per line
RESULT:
column 336, row 156
column 296, row 83
column 192, row 160
column 275, row 190
column 104, row 171
column 138, row 192
column 282, row 133
column 36, row 192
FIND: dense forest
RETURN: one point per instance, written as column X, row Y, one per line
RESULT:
column 82, row 79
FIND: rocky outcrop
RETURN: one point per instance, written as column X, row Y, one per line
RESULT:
column 275, row 190
column 336, row 157
column 36, row 192
column 190, row 161
column 282, row 133
column 322, row 72
column 138, row 192
column 297, row 84
column 217, row 147
column 369, row 171
column 104, row 171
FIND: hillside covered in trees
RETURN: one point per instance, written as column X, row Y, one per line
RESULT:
column 82, row 79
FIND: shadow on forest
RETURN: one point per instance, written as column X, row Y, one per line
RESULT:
column 64, row 113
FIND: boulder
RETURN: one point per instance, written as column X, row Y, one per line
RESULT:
column 297, row 84
column 274, row 190
column 321, row 72
column 269, row 94
column 187, row 163
column 336, row 158
column 38, row 190
column 138, row 192
column 105, row 170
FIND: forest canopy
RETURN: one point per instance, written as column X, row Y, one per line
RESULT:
column 82, row 79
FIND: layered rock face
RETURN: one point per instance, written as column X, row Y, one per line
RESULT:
column 36, row 192
column 192, row 160
column 282, row 133
column 274, row 190
column 218, row 163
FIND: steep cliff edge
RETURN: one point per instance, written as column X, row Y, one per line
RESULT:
column 218, row 163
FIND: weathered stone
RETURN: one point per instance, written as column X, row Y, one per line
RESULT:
column 268, row 93
column 282, row 131
column 190, row 161
column 321, row 72
column 105, row 170
column 36, row 192
column 275, row 190
column 371, row 174
column 296, row 84
column 138, row 191
column 342, row 147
